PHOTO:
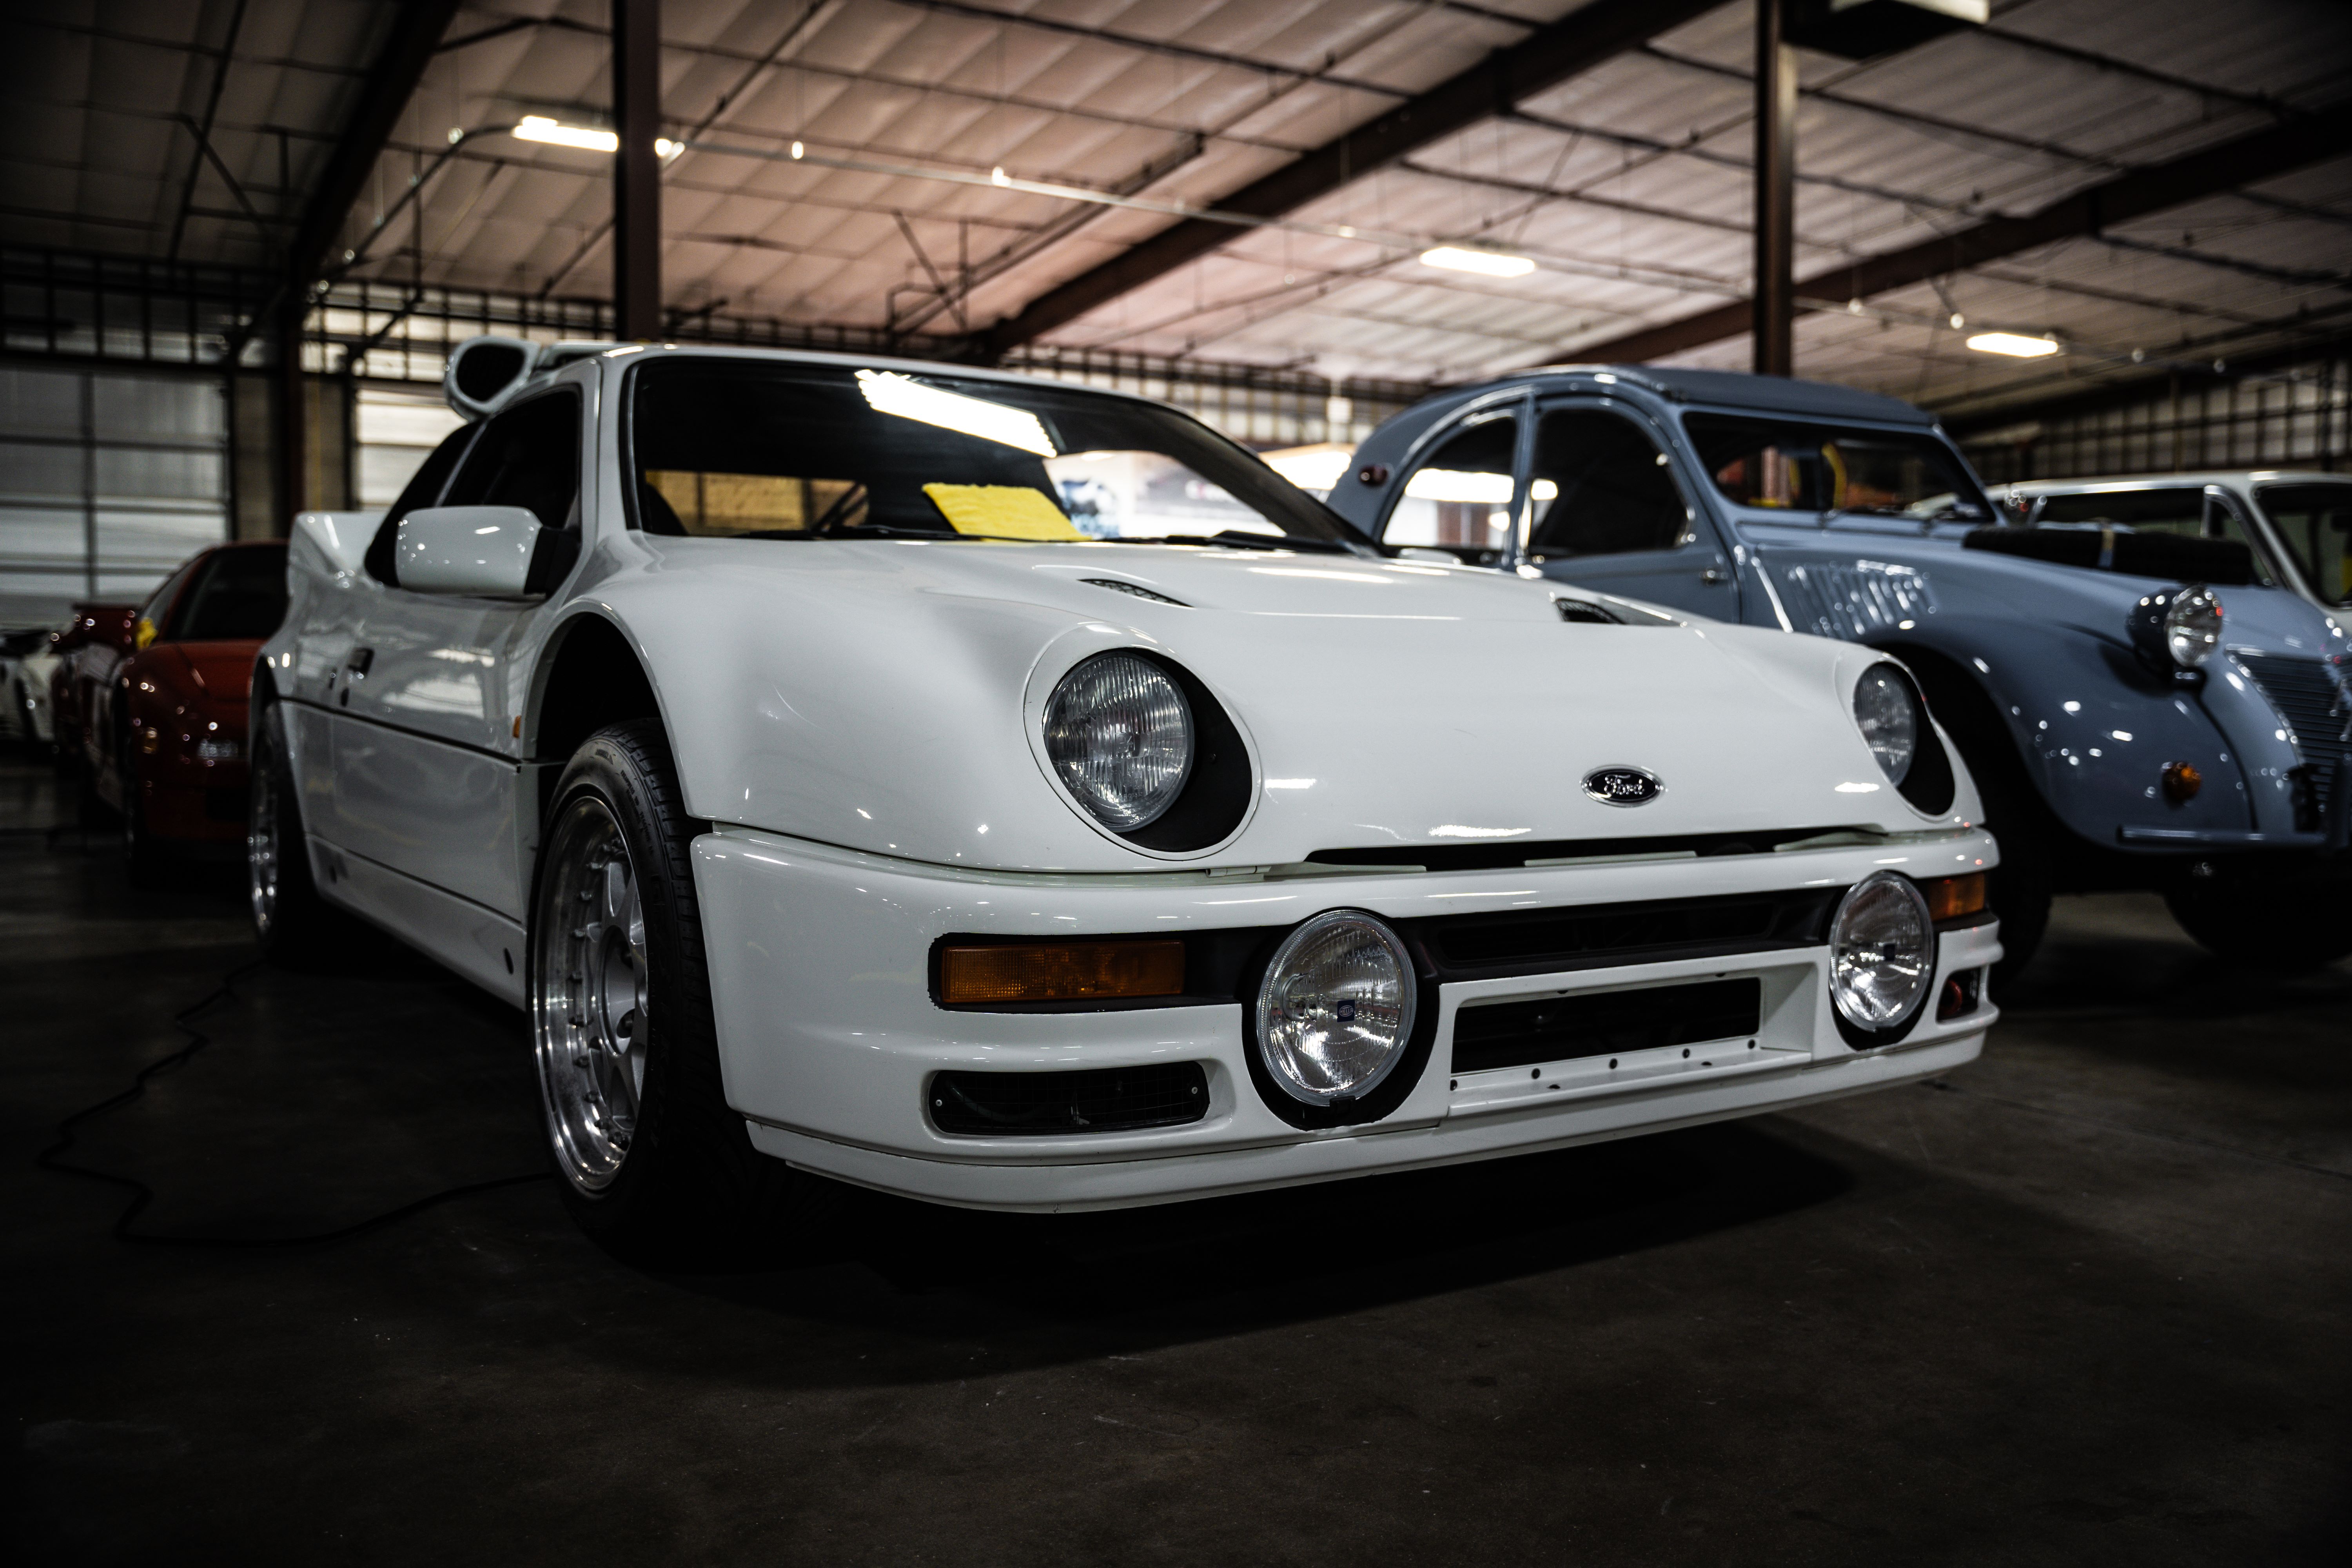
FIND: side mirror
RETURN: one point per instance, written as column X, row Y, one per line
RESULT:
column 482, row 371
column 480, row 550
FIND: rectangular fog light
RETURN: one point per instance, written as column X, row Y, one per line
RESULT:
column 1950, row 898
column 1060, row 972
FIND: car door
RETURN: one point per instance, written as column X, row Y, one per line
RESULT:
column 1609, row 513
column 425, row 755
column 1460, row 489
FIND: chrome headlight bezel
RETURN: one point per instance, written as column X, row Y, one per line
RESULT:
column 2192, row 626
column 1891, row 902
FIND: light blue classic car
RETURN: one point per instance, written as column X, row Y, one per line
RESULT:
column 2138, row 709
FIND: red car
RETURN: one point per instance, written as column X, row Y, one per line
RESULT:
column 158, row 711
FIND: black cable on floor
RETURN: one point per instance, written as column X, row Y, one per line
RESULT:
column 141, row 1194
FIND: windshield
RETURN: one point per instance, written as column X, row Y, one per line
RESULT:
column 1801, row 467
column 766, row 450
column 236, row 594
column 2316, row 520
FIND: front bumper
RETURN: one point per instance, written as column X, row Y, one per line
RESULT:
column 828, row 1034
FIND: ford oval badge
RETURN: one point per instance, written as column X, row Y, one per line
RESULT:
column 1622, row 787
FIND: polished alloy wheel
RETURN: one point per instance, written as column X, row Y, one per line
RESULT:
column 589, row 1006
column 263, row 845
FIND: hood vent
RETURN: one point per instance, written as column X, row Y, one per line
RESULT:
column 1136, row 589
column 1584, row 612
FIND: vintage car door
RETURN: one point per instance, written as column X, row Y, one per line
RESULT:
column 1462, row 490
column 425, row 761
column 1610, row 512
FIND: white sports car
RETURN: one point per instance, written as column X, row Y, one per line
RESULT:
column 1012, row 795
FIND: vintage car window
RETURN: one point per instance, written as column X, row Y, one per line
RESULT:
column 768, row 450
column 2316, row 520
column 423, row 489
column 159, row 604
column 526, row 456
column 2174, row 509
column 1612, row 490
column 1806, row 466
column 1459, row 496
column 240, row 593
column 2178, row 510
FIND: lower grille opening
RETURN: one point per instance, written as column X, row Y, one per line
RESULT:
column 1107, row 1100
column 1562, row 1028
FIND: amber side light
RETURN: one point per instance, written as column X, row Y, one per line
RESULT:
column 1061, row 971
column 2182, row 782
column 1949, row 898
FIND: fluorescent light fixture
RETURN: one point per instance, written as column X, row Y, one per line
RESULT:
column 1471, row 489
column 2017, row 345
column 1491, row 263
column 539, row 127
column 889, row 393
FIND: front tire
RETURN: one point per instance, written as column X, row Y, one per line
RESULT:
column 652, row 1161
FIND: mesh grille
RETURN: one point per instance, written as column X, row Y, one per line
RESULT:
column 1112, row 1100
column 2309, row 695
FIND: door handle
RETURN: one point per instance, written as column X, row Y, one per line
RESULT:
column 1715, row 574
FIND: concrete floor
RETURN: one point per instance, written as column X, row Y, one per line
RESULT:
column 2089, row 1302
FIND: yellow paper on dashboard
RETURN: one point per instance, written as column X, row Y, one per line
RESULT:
column 1002, row 512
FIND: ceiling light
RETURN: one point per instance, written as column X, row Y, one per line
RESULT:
column 889, row 393
column 539, row 127
column 2017, row 345
column 1492, row 263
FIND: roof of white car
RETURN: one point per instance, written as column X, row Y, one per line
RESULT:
column 2168, row 481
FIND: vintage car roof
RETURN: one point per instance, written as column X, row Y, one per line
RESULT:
column 2168, row 482
column 1765, row 393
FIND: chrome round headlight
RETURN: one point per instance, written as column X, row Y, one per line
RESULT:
column 1888, row 712
column 2192, row 626
column 1120, row 734
column 1882, row 951
column 1335, row 1008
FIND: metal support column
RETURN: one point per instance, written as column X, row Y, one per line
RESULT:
column 636, row 170
column 1775, row 303
column 291, row 424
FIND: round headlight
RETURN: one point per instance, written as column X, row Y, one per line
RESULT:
column 2192, row 626
column 1336, row 1007
column 1882, row 951
column 1120, row 733
column 1888, row 712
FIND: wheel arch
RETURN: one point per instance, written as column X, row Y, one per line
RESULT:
column 591, row 675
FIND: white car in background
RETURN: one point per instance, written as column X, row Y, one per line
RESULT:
column 27, row 660
column 765, row 725
column 2298, row 524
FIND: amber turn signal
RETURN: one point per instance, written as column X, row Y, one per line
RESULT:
column 1061, row 971
column 2182, row 782
column 1949, row 898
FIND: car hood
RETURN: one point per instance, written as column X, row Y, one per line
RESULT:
column 883, row 695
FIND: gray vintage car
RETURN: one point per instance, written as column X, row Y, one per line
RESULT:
column 2141, row 709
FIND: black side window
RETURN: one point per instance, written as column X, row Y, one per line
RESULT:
column 1600, row 486
column 1459, row 497
column 2144, row 512
column 242, row 593
column 527, row 457
column 423, row 488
